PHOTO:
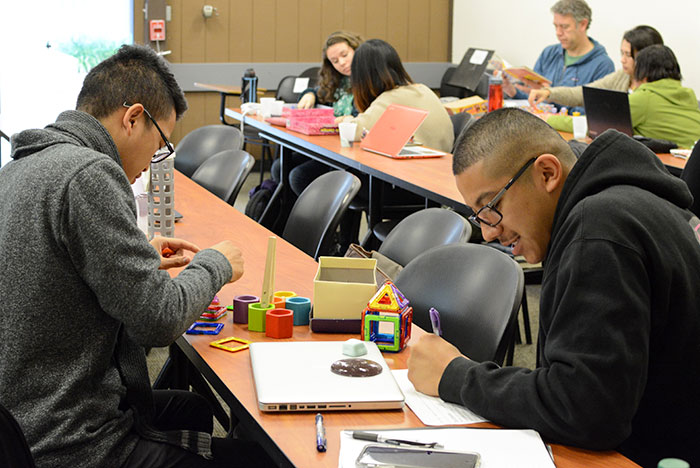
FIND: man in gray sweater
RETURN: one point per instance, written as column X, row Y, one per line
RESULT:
column 83, row 292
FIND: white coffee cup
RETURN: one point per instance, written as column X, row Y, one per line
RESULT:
column 347, row 133
column 267, row 106
column 580, row 127
column 279, row 107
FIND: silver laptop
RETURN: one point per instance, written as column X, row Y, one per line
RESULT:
column 296, row 376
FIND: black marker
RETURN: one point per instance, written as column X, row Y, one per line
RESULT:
column 320, row 434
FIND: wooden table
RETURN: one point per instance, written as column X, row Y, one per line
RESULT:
column 289, row 437
column 225, row 91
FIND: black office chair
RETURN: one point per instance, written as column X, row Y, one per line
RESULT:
column 223, row 174
column 423, row 230
column 691, row 176
column 461, row 122
column 285, row 90
column 204, row 142
column 316, row 213
column 477, row 291
column 14, row 450
column 313, row 75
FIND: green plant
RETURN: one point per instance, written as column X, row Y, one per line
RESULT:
column 89, row 52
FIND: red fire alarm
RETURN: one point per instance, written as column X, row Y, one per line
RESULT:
column 157, row 30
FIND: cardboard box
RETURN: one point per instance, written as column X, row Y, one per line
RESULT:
column 342, row 287
column 473, row 105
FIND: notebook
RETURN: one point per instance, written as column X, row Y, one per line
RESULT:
column 393, row 130
column 471, row 68
column 606, row 109
column 296, row 376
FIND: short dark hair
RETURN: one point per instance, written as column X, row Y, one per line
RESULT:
column 655, row 63
column 135, row 74
column 641, row 37
column 376, row 67
column 507, row 138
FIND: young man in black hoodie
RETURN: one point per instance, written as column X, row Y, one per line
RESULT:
column 619, row 337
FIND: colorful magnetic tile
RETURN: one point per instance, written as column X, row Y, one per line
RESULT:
column 205, row 328
column 213, row 315
column 384, row 341
column 232, row 349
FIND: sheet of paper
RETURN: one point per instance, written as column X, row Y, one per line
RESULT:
column 300, row 84
column 498, row 447
column 478, row 57
column 432, row 411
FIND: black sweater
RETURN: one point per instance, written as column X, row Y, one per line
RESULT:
column 619, row 337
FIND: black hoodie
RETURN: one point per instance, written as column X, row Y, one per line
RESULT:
column 619, row 338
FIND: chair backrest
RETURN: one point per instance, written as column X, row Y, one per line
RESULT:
column 14, row 450
column 691, row 176
column 477, row 291
column 423, row 230
column 461, row 122
column 204, row 142
column 317, row 212
column 223, row 174
column 313, row 75
column 285, row 90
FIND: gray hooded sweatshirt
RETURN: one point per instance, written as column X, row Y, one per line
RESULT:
column 81, row 295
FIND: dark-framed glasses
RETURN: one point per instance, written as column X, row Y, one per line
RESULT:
column 488, row 214
column 164, row 151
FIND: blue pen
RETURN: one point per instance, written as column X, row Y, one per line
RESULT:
column 320, row 434
column 435, row 321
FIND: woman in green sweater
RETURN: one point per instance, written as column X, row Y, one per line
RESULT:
column 660, row 106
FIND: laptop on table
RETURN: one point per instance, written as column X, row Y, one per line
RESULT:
column 393, row 130
column 297, row 376
column 607, row 109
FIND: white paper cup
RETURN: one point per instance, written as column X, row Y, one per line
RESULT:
column 279, row 107
column 580, row 127
column 267, row 107
column 347, row 133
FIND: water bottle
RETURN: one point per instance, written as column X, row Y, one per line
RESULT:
column 495, row 92
column 249, row 86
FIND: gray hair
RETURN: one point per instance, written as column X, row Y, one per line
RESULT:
column 576, row 8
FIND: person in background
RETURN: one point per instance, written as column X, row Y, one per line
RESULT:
column 619, row 330
column 83, row 292
column 379, row 79
column 334, row 85
column 661, row 107
column 577, row 60
column 333, row 90
column 633, row 41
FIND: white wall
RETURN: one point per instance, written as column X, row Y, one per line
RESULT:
column 518, row 30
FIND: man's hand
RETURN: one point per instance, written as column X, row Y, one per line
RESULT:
column 428, row 360
column 307, row 101
column 233, row 255
column 538, row 95
column 508, row 87
column 172, row 251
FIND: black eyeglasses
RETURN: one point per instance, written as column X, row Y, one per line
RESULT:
column 166, row 150
column 488, row 214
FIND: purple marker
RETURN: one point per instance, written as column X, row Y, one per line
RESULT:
column 435, row 321
column 320, row 434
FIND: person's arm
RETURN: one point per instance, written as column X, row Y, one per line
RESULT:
column 114, row 258
column 367, row 119
column 308, row 99
column 588, row 392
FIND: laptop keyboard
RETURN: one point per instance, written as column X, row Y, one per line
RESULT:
column 408, row 152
